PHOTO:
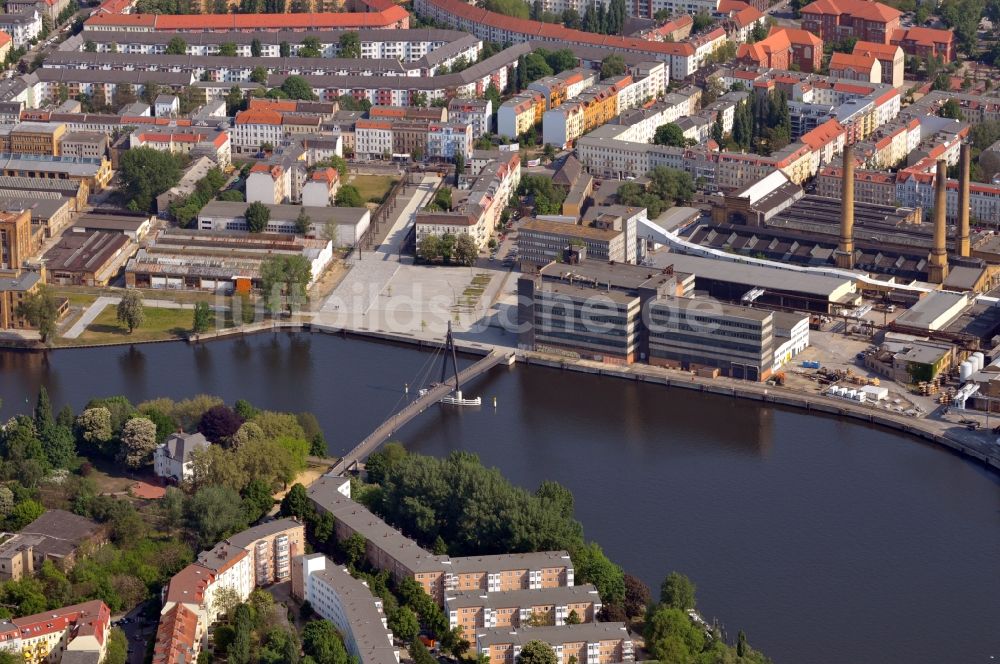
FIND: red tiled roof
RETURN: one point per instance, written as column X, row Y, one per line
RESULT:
column 869, row 11
column 175, row 636
column 922, row 36
column 281, row 105
column 204, row 22
column 730, row 6
column 188, row 585
column 800, row 37
column 329, row 175
column 853, row 62
column 4, row 38
column 474, row 14
column 89, row 618
column 880, row 51
column 258, row 117
column 747, row 16
column 823, row 134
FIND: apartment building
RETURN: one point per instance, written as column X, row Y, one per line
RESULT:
column 202, row 142
column 477, row 113
column 273, row 545
column 268, row 184
column 178, row 636
column 448, row 140
column 50, row 636
column 388, row 549
column 22, row 27
column 479, row 215
column 592, row 643
column 348, row 603
column 399, row 45
column 864, row 20
column 564, row 86
column 373, row 138
column 229, row 567
column 473, row 610
column 32, row 138
column 391, row 18
column 693, row 334
column 876, row 187
column 520, row 113
column 321, row 188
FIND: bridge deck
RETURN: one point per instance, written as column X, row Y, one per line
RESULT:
column 411, row 410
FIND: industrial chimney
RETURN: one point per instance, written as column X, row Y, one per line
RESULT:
column 845, row 250
column 937, row 270
column 963, row 199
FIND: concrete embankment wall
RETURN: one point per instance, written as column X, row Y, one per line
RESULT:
column 758, row 392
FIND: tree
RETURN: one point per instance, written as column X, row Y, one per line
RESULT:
column 348, row 196
column 257, row 499
column 612, row 65
column 202, row 318
column 493, row 94
column 671, row 636
column 227, row 49
column 637, row 596
column 284, row 49
column 573, row 618
column 297, row 87
column 429, row 248
column 41, row 309
column 466, row 251
column 310, row 48
column 592, row 566
column 537, row 652
column 89, row 46
column 536, row 67
column 404, row 624
column 226, row 599
column 354, row 549
column 240, row 649
column 669, row 134
column 323, row 644
column 117, row 650
column 419, row 654
column 258, row 75
column 24, row 513
column 146, row 173
column 303, row 223
column 131, row 311
column 350, row 45
column 418, row 99
column 296, row 502
column 255, row 48
column 459, row 166
column 951, row 109
column 677, row 591
column 214, row 512
column 257, row 215
column 285, row 276
column 94, row 426
column 234, row 99
column 718, row 132
column 138, row 442
column 176, row 46
column 219, row 423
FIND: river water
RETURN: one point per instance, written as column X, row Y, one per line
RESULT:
column 826, row 541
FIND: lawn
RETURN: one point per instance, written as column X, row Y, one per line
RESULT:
column 159, row 324
column 373, row 188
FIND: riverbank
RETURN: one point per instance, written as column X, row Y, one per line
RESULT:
column 945, row 434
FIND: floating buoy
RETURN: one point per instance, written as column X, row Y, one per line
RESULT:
column 494, row 402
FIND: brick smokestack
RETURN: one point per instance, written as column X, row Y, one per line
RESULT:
column 963, row 199
column 845, row 250
column 937, row 270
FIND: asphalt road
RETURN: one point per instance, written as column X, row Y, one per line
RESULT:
column 138, row 630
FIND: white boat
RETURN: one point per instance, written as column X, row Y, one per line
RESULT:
column 455, row 399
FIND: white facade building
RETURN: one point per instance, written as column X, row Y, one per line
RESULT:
column 172, row 459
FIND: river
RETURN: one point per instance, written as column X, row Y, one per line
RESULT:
column 827, row 541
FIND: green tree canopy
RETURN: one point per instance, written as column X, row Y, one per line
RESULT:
column 537, row 652
column 131, row 311
column 677, row 591
column 146, row 173
column 669, row 134
column 612, row 65
column 257, row 215
column 348, row 196
column 297, row 87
